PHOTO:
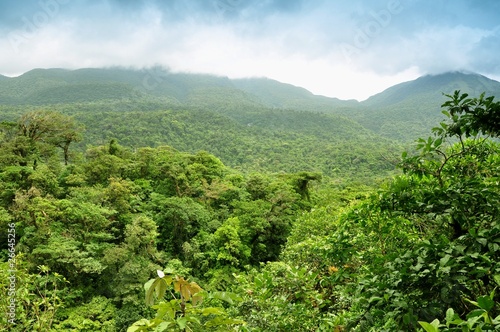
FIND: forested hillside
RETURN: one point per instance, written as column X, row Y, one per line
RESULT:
column 206, row 204
column 231, row 119
column 407, row 110
column 254, row 140
column 401, row 113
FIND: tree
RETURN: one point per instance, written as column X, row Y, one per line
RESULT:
column 471, row 116
column 37, row 133
column 52, row 128
column 449, row 197
column 461, row 172
column 179, row 219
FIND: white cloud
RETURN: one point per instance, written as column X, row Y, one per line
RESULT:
column 301, row 43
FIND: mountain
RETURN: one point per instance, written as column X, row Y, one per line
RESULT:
column 50, row 86
column 272, row 93
column 254, row 124
column 408, row 110
column 430, row 89
column 402, row 112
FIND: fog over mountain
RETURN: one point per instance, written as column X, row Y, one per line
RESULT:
column 348, row 50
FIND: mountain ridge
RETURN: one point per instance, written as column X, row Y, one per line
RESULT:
column 159, row 81
column 433, row 83
column 401, row 112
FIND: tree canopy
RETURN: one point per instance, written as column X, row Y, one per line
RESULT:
column 121, row 238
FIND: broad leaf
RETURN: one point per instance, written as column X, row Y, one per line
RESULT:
column 181, row 322
column 486, row 303
column 432, row 327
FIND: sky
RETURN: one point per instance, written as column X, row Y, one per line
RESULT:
column 343, row 49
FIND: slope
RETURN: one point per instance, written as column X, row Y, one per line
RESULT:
column 406, row 111
column 262, row 140
column 49, row 86
column 275, row 94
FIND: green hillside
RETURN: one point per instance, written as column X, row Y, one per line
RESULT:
column 429, row 89
column 232, row 119
column 255, row 124
column 48, row 86
column 275, row 94
column 256, row 140
column 115, row 83
column 401, row 112
column 406, row 110
column 135, row 235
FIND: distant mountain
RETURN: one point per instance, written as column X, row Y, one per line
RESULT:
column 49, row 86
column 409, row 110
column 403, row 112
column 272, row 93
column 430, row 89
column 54, row 86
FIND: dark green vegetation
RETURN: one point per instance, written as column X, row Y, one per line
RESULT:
column 104, row 183
column 402, row 112
column 196, row 112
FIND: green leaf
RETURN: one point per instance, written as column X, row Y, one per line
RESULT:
column 227, row 297
column 407, row 318
column 375, row 299
column 472, row 321
column 486, row 303
column 140, row 325
column 496, row 277
column 148, row 284
column 151, row 291
column 193, row 319
column 483, row 241
column 432, row 327
column 475, row 314
column 158, row 286
column 181, row 322
column 161, row 288
column 166, row 308
column 164, row 326
column 444, row 260
column 212, row 311
column 453, row 318
column 450, row 315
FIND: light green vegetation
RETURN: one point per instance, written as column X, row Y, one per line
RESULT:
column 260, row 220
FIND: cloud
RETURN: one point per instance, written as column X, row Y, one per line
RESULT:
column 291, row 40
column 433, row 49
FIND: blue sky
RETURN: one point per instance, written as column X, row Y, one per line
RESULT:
column 344, row 49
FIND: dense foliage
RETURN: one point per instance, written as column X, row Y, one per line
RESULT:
column 122, row 237
column 250, row 140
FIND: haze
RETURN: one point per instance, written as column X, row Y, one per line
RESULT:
column 334, row 48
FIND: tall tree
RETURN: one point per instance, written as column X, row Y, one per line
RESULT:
column 49, row 128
